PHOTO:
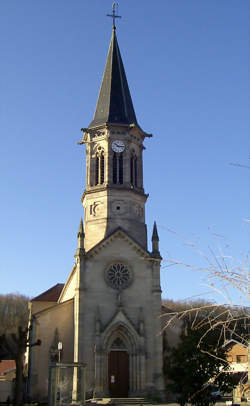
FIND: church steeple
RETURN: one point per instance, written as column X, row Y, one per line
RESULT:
column 114, row 105
column 114, row 195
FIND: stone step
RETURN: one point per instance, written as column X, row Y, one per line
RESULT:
column 118, row 401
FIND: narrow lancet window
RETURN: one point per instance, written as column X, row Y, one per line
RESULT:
column 96, row 170
column 121, row 169
column 102, row 169
column 115, row 168
column 118, row 168
column 133, row 170
column 99, row 167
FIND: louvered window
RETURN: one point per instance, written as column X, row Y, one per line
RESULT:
column 121, row 169
column 118, row 168
column 115, row 168
column 133, row 170
column 102, row 169
column 99, row 168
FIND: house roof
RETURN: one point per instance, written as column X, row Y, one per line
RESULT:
column 232, row 342
column 114, row 105
column 6, row 366
column 50, row 295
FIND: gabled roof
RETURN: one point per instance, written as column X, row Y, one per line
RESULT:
column 232, row 342
column 117, row 233
column 50, row 295
column 120, row 317
column 114, row 103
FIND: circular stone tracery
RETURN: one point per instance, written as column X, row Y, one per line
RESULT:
column 118, row 276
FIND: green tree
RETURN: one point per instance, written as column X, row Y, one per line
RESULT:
column 190, row 369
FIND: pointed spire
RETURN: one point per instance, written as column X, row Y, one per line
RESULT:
column 80, row 238
column 155, row 236
column 155, row 240
column 114, row 103
column 80, row 233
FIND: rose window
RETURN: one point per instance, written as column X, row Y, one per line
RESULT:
column 118, row 276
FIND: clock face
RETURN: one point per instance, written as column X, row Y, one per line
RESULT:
column 118, row 146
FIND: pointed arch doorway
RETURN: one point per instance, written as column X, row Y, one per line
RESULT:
column 118, row 370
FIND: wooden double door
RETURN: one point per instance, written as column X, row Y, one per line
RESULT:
column 118, row 374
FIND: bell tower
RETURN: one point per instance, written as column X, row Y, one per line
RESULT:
column 114, row 195
column 108, row 312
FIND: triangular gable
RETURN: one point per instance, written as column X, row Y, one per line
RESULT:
column 230, row 343
column 120, row 317
column 69, row 287
column 118, row 233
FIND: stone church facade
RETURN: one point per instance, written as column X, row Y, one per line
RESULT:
column 107, row 314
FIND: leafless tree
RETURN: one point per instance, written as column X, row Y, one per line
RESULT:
column 226, row 275
column 14, row 336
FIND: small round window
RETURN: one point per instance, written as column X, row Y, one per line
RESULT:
column 118, row 276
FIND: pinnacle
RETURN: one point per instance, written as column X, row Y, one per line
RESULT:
column 155, row 233
column 80, row 230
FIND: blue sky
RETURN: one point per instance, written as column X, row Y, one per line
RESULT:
column 187, row 64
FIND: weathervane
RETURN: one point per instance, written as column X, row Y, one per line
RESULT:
column 113, row 15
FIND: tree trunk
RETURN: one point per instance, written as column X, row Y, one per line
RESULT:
column 18, row 392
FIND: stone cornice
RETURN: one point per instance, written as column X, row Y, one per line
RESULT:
column 121, row 188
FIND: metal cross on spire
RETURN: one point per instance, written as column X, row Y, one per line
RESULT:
column 113, row 15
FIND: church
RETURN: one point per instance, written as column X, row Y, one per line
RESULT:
column 107, row 314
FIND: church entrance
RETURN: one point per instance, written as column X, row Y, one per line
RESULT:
column 118, row 374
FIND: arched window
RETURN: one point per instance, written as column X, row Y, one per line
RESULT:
column 96, row 170
column 118, row 168
column 115, row 168
column 133, row 170
column 102, row 169
column 121, row 169
column 99, row 167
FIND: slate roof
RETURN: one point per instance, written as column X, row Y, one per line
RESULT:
column 114, row 103
column 50, row 295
